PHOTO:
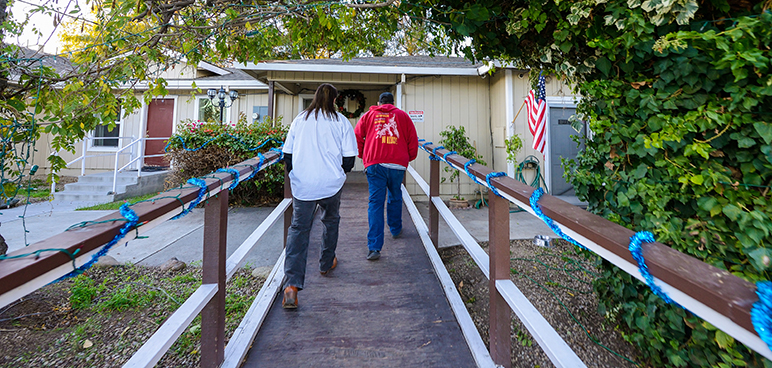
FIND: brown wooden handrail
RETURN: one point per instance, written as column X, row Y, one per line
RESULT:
column 16, row 272
column 717, row 289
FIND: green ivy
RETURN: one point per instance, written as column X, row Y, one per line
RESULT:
column 678, row 94
column 682, row 148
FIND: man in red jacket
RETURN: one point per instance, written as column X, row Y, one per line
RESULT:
column 387, row 142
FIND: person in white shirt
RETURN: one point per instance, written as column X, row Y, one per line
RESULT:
column 319, row 150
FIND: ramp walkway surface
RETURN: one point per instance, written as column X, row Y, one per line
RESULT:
column 386, row 313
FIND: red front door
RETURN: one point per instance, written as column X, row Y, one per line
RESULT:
column 160, row 118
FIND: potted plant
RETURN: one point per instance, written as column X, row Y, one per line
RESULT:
column 455, row 139
column 513, row 145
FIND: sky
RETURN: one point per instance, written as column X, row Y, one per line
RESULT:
column 42, row 22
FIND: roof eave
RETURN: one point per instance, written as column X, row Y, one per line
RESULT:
column 202, row 84
column 472, row 71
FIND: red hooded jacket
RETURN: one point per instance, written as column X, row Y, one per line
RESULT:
column 386, row 135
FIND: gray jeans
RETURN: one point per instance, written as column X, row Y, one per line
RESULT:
column 296, row 250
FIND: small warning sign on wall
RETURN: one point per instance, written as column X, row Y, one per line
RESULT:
column 417, row 116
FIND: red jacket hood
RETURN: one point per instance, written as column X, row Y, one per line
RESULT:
column 384, row 108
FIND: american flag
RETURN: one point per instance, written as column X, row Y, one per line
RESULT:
column 537, row 115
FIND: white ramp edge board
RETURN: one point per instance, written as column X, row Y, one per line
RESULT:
column 244, row 335
column 550, row 342
column 237, row 258
column 467, row 240
column 542, row 331
column 750, row 338
column 473, row 339
column 157, row 345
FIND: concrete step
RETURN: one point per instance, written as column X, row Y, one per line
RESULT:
column 72, row 196
column 102, row 178
column 96, row 188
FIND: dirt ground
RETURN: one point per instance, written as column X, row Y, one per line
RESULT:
column 43, row 329
column 557, row 281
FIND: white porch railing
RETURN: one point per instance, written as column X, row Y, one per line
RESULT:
column 136, row 155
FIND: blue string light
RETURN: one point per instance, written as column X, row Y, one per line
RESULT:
column 279, row 152
column 466, row 169
column 637, row 251
column 423, row 147
column 490, row 176
column 239, row 139
column 434, row 151
column 166, row 148
column 255, row 169
column 259, row 146
column 535, row 197
column 131, row 222
column 761, row 313
column 235, row 174
column 201, row 192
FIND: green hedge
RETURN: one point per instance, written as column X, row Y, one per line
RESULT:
column 198, row 149
column 682, row 147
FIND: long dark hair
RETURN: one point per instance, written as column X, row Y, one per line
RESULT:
column 324, row 100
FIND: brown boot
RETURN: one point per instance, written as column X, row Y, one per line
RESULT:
column 334, row 263
column 290, row 300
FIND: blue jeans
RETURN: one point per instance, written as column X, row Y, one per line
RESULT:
column 379, row 181
column 296, row 250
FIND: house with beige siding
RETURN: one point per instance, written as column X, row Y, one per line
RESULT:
column 437, row 91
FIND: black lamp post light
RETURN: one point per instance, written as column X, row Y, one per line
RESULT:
column 221, row 95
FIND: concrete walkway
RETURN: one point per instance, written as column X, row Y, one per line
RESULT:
column 183, row 238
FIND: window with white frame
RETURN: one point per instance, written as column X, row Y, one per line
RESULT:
column 305, row 102
column 104, row 131
column 207, row 111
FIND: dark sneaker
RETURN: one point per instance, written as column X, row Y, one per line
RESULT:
column 397, row 235
column 334, row 263
column 290, row 300
column 373, row 255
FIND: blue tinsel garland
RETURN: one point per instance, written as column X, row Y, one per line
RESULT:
column 201, row 192
column 235, row 174
column 131, row 222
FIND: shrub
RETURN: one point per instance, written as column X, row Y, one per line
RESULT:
column 682, row 147
column 198, row 149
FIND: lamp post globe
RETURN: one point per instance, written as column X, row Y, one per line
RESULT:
column 221, row 94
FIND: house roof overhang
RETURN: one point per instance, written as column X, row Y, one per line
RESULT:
column 359, row 69
column 408, row 65
column 202, row 84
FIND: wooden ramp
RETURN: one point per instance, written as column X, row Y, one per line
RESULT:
column 386, row 313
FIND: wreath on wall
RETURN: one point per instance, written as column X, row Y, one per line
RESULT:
column 350, row 94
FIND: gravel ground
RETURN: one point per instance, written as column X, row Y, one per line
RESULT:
column 564, row 298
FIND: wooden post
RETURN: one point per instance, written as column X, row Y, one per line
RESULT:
column 288, row 212
column 213, row 314
column 498, row 249
column 434, row 191
column 271, row 97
